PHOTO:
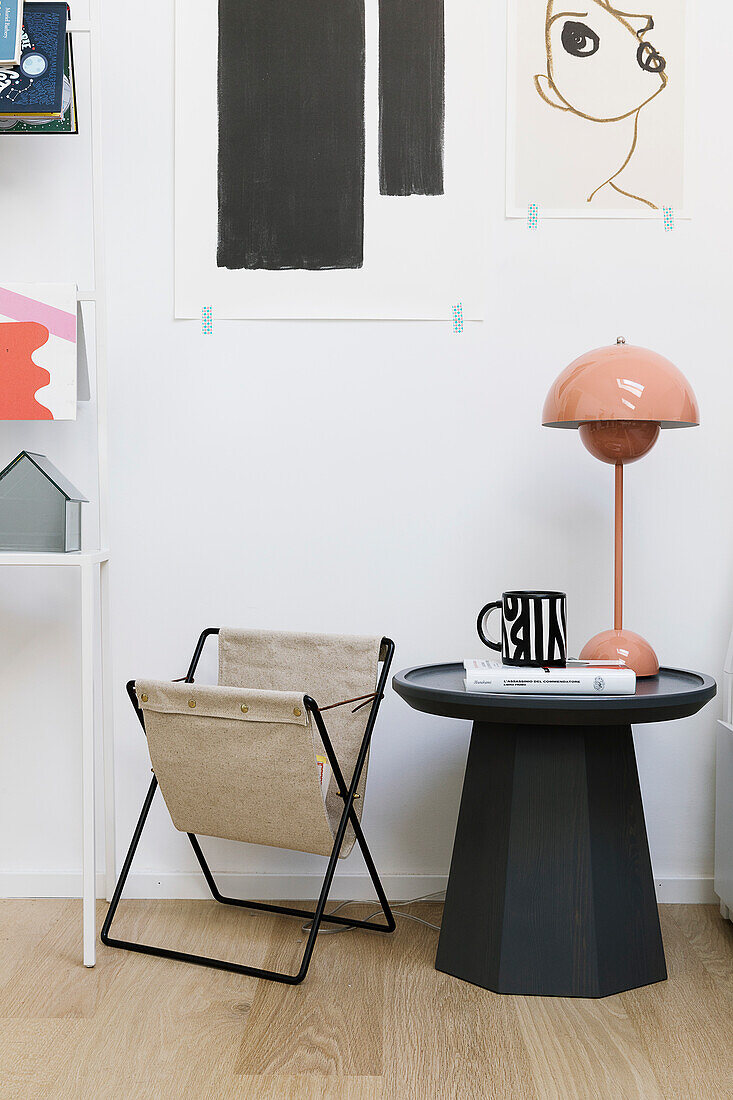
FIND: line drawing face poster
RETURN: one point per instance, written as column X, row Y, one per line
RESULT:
column 597, row 101
column 331, row 159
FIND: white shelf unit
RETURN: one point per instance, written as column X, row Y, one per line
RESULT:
column 94, row 642
column 93, row 564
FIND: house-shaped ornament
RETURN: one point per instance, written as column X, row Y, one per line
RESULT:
column 40, row 509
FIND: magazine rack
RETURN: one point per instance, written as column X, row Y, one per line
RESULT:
column 240, row 761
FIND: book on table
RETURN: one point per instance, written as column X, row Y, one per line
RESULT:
column 576, row 679
column 35, row 86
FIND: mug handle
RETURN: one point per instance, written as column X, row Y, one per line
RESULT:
column 482, row 615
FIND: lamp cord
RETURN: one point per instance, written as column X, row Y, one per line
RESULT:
column 346, row 928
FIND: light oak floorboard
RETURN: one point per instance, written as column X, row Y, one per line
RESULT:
column 33, row 1054
column 304, row 1087
column 444, row 1037
column 23, row 924
column 49, row 982
column 326, row 1035
column 373, row 1021
column 171, row 1026
column 685, row 1024
column 580, row 1050
column 711, row 937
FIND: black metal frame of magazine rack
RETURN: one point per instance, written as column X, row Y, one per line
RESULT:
column 347, row 792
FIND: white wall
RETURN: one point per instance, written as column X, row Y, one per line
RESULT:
column 368, row 477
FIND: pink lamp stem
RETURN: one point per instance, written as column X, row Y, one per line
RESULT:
column 618, row 595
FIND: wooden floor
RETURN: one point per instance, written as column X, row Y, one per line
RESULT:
column 372, row 1020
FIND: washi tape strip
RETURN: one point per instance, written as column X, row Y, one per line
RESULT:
column 207, row 323
column 668, row 213
column 458, row 317
column 532, row 215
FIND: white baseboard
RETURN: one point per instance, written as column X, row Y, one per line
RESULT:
column 253, row 886
column 44, row 884
column 686, row 891
column 278, row 887
column 695, row 891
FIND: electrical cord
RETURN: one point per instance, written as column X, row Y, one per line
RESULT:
column 398, row 905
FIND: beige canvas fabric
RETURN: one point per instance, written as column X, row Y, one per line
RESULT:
column 329, row 668
column 240, row 775
column 240, row 762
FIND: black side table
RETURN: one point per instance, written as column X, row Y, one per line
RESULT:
column 550, row 889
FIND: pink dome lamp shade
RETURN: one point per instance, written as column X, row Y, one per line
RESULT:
column 619, row 397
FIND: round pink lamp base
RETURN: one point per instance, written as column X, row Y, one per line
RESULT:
column 622, row 645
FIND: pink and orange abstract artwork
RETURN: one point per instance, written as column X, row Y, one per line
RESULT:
column 38, row 368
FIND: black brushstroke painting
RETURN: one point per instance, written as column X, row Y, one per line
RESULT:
column 291, row 134
column 411, row 97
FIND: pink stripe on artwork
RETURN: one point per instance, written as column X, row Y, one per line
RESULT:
column 57, row 321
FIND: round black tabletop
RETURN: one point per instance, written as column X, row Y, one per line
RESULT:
column 439, row 689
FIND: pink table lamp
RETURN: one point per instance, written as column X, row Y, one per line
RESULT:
column 619, row 397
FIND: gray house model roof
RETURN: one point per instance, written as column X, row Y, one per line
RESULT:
column 55, row 476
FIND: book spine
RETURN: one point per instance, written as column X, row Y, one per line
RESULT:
column 564, row 682
column 582, row 674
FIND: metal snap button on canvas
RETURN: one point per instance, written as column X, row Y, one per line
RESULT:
column 144, row 697
column 245, row 708
column 192, row 702
column 297, row 712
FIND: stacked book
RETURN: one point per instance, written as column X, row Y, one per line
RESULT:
column 577, row 678
column 36, row 67
column 11, row 27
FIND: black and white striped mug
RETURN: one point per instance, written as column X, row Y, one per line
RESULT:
column 533, row 629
